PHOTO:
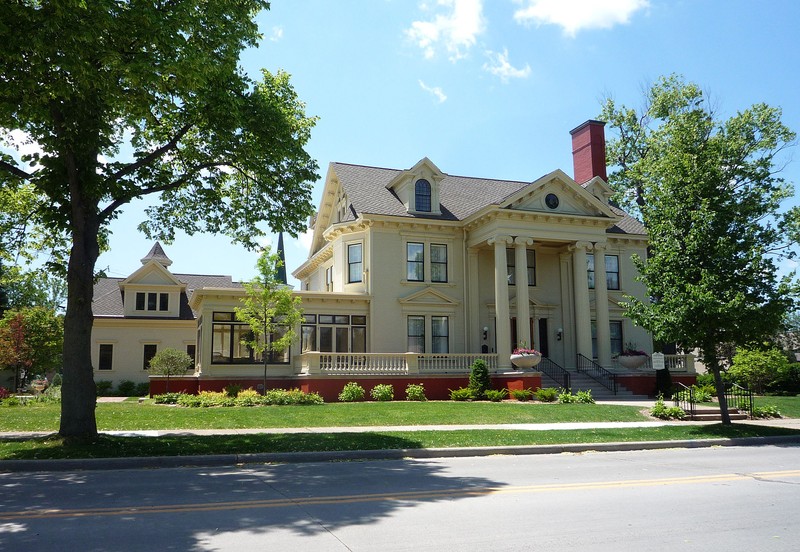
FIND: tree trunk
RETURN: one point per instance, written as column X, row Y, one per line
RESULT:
column 720, row 385
column 79, row 394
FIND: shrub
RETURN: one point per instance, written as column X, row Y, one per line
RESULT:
column 167, row 398
column 479, row 380
column 170, row 362
column 767, row 411
column 584, row 397
column 757, row 369
column 565, row 397
column 4, row 393
column 352, row 392
column 415, row 392
column 104, row 388
column 126, row 388
column 495, row 395
column 702, row 394
column 522, row 394
column 11, row 401
column 382, row 392
column 249, row 397
column 664, row 412
column 548, row 394
column 462, row 394
column 57, row 380
column 291, row 397
column 787, row 379
column 232, row 390
column 206, row 399
column 142, row 389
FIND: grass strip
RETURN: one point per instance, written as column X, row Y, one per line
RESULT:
column 107, row 446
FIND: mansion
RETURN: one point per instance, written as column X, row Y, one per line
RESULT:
column 411, row 276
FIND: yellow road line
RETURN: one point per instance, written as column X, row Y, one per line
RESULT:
column 380, row 497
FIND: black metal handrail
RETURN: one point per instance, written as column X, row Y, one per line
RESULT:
column 555, row 372
column 684, row 398
column 739, row 397
column 598, row 373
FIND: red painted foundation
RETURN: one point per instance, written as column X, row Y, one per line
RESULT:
column 436, row 387
column 645, row 384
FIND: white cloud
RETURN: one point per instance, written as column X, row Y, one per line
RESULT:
column 276, row 34
column 434, row 90
column 577, row 15
column 456, row 30
column 499, row 66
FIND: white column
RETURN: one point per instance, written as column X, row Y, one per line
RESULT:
column 583, row 321
column 523, row 299
column 503, row 330
column 475, row 329
column 601, row 306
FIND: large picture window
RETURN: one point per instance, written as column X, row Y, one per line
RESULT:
column 338, row 333
column 355, row 266
column 227, row 347
column 415, row 262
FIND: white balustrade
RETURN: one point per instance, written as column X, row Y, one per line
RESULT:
column 378, row 364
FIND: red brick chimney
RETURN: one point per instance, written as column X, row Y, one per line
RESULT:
column 589, row 151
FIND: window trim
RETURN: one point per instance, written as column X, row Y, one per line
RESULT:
column 109, row 356
column 439, row 263
column 419, row 337
column 423, row 196
column 446, row 336
column 420, row 264
column 351, row 264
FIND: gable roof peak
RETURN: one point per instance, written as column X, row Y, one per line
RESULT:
column 157, row 254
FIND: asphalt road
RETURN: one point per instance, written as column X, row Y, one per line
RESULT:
column 736, row 498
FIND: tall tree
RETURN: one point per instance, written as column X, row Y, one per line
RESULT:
column 90, row 81
column 270, row 309
column 709, row 193
column 31, row 341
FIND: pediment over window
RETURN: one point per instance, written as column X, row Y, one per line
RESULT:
column 556, row 193
column 418, row 188
column 429, row 296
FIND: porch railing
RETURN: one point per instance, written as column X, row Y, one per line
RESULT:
column 383, row 364
column 598, row 373
column 739, row 397
column 674, row 363
column 685, row 399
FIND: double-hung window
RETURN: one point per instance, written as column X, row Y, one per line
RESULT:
column 612, row 271
column 422, row 196
column 355, row 265
column 511, row 266
column 416, row 334
column 438, row 262
column 440, row 334
column 415, row 262
column 106, row 358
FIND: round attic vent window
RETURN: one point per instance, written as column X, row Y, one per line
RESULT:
column 551, row 200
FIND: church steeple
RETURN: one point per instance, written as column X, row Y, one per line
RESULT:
column 282, row 257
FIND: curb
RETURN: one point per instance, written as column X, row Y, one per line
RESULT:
column 217, row 460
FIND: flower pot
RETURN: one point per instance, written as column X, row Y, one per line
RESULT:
column 631, row 362
column 526, row 361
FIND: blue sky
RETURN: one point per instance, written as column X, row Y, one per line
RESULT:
column 489, row 89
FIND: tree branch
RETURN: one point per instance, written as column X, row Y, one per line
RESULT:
column 19, row 173
column 152, row 156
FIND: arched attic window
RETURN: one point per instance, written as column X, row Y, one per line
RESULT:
column 422, row 196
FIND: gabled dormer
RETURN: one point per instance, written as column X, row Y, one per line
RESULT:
column 558, row 194
column 152, row 291
column 418, row 188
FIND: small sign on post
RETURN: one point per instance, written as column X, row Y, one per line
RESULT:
column 658, row 361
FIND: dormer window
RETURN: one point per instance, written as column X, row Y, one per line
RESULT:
column 422, row 196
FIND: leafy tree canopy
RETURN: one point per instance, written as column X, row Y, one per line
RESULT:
column 709, row 193
column 126, row 99
column 31, row 341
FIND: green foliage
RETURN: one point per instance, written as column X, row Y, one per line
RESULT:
column 291, row 397
column 170, row 362
column 787, row 380
column 462, row 394
column 160, row 81
column 584, row 397
column 565, row 397
column 548, row 394
column 382, row 392
column 708, row 193
column 352, row 392
column 415, row 392
column 142, row 389
column 766, row 411
column 495, row 395
column 249, row 397
column 479, row 380
column 126, row 388
column 757, row 369
column 232, row 390
column 167, row 398
column 104, row 388
column 31, row 341
column 664, row 412
column 522, row 394
column 269, row 308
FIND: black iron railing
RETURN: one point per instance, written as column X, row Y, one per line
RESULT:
column 555, row 372
column 598, row 373
column 739, row 398
column 684, row 398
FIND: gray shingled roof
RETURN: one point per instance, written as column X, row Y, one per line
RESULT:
column 459, row 196
column 108, row 297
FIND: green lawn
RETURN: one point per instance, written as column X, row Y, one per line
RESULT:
column 184, row 445
column 130, row 415
column 789, row 407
